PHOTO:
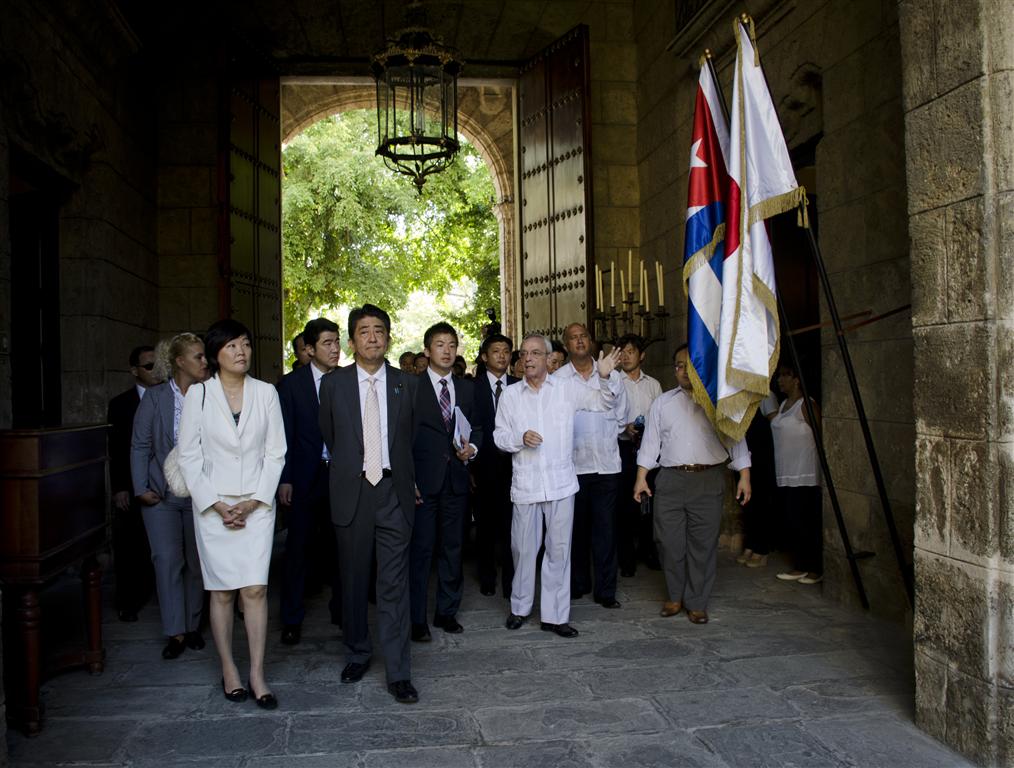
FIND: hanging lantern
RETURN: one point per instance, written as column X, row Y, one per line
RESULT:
column 417, row 104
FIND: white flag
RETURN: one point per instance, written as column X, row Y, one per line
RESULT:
column 761, row 184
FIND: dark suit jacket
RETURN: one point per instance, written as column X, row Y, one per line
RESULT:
column 492, row 460
column 432, row 444
column 120, row 416
column 301, row 414
column 341, row 425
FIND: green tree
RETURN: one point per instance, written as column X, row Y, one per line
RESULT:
column 354, row 231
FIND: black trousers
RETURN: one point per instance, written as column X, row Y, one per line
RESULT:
column 379, row 526
column 438, row 530
column 594, row 534
column 802, row 513
column 493, row 513
column 310, row 551
column 135, row 575
column 635, row 537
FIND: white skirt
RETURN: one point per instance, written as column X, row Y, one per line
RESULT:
column 235, row 557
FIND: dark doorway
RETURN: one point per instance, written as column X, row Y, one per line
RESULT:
column 36, row 194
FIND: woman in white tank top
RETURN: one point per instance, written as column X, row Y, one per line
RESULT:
column 797, row 475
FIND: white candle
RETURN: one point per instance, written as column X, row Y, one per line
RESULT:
column 647, row 293
column 630, row 269
column 623, row 287
column 612, row 283
column 661, row 290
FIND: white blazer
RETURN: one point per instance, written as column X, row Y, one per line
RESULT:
column 220, row 458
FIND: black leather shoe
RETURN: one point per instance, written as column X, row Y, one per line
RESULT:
column 194, row 641
column 292, row 634
column 265, row 701
column 127, row 615
column 237, row 694
column 563, row 630
column 514, row 621
column 403, row 691
column 173, row 648
column 449, row 624
column 487, row 590
column 421, row 633
column 609, row 603
column 354, row 672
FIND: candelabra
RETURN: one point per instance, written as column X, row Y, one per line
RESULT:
column 632, row 318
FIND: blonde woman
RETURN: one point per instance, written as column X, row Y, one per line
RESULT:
column 232, row 449
column 167, row 517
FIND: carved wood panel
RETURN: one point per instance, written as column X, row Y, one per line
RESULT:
column 556, row 220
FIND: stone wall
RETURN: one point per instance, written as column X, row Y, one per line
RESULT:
column 188, row 225
column 81, row 108
column 615, row 188
column 958, row 87
column 835, row 79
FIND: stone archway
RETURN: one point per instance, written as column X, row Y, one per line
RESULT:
column 485, row 118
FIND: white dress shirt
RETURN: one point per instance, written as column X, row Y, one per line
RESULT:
column 641, row 393
column 318, row 374
column 546, row 472
column 595, row 448
column 677, row 432
column 380, row 377
column 140, row 391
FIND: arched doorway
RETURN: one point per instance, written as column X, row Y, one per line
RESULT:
column 486, row 117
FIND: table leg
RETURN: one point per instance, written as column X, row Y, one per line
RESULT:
column 91, row 578
column 29, row 620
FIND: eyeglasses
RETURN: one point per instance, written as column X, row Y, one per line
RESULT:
column 147, row 366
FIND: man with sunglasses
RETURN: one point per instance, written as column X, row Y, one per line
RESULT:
column 689, row 491
column 131, row 554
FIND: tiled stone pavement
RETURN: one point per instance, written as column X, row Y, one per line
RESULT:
column 779, row 678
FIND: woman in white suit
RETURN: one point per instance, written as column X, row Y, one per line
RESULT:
column 231, row 451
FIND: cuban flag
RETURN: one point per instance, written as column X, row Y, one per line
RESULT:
column 762, row 184
column 703, row 252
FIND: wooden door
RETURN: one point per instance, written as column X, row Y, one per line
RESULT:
column 252, row 255
column 555, row 211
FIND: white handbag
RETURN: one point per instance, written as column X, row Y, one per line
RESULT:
column 171, row 466
column 173, row 475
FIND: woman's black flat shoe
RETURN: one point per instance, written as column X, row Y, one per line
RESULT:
column 239, row 694
column 267, row 701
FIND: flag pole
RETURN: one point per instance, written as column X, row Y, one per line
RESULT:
column 850, row 555
column 843, row 348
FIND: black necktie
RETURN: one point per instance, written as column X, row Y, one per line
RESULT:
column 496, row 395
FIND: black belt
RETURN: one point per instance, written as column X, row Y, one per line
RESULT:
column 386, row 473
column 693, row 467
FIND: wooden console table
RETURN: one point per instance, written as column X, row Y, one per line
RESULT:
column 52, row 517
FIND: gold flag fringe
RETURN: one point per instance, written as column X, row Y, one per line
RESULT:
column 702, row 257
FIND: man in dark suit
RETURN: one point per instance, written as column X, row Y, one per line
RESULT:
column 309, row 543
column 135, row 576
column 366, row 414
column 492, row 471
column 441, row 455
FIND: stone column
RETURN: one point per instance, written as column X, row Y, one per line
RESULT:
column 958, row 63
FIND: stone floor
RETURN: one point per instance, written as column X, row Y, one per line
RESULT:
column 779, row 678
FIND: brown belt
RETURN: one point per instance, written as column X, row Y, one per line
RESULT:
column 693, row 467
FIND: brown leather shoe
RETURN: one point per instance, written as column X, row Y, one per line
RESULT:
column 670, row 609
column 697, row 617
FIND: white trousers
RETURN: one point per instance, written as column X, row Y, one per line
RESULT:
column 526, row 538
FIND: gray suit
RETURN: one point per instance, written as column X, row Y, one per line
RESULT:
column 170, row 523
column 371, row 518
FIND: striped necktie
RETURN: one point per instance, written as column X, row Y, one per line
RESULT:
column 445, row 404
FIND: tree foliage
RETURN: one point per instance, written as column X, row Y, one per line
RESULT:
column 354, row 231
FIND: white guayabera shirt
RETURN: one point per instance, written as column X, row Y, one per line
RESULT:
column 546, row 472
